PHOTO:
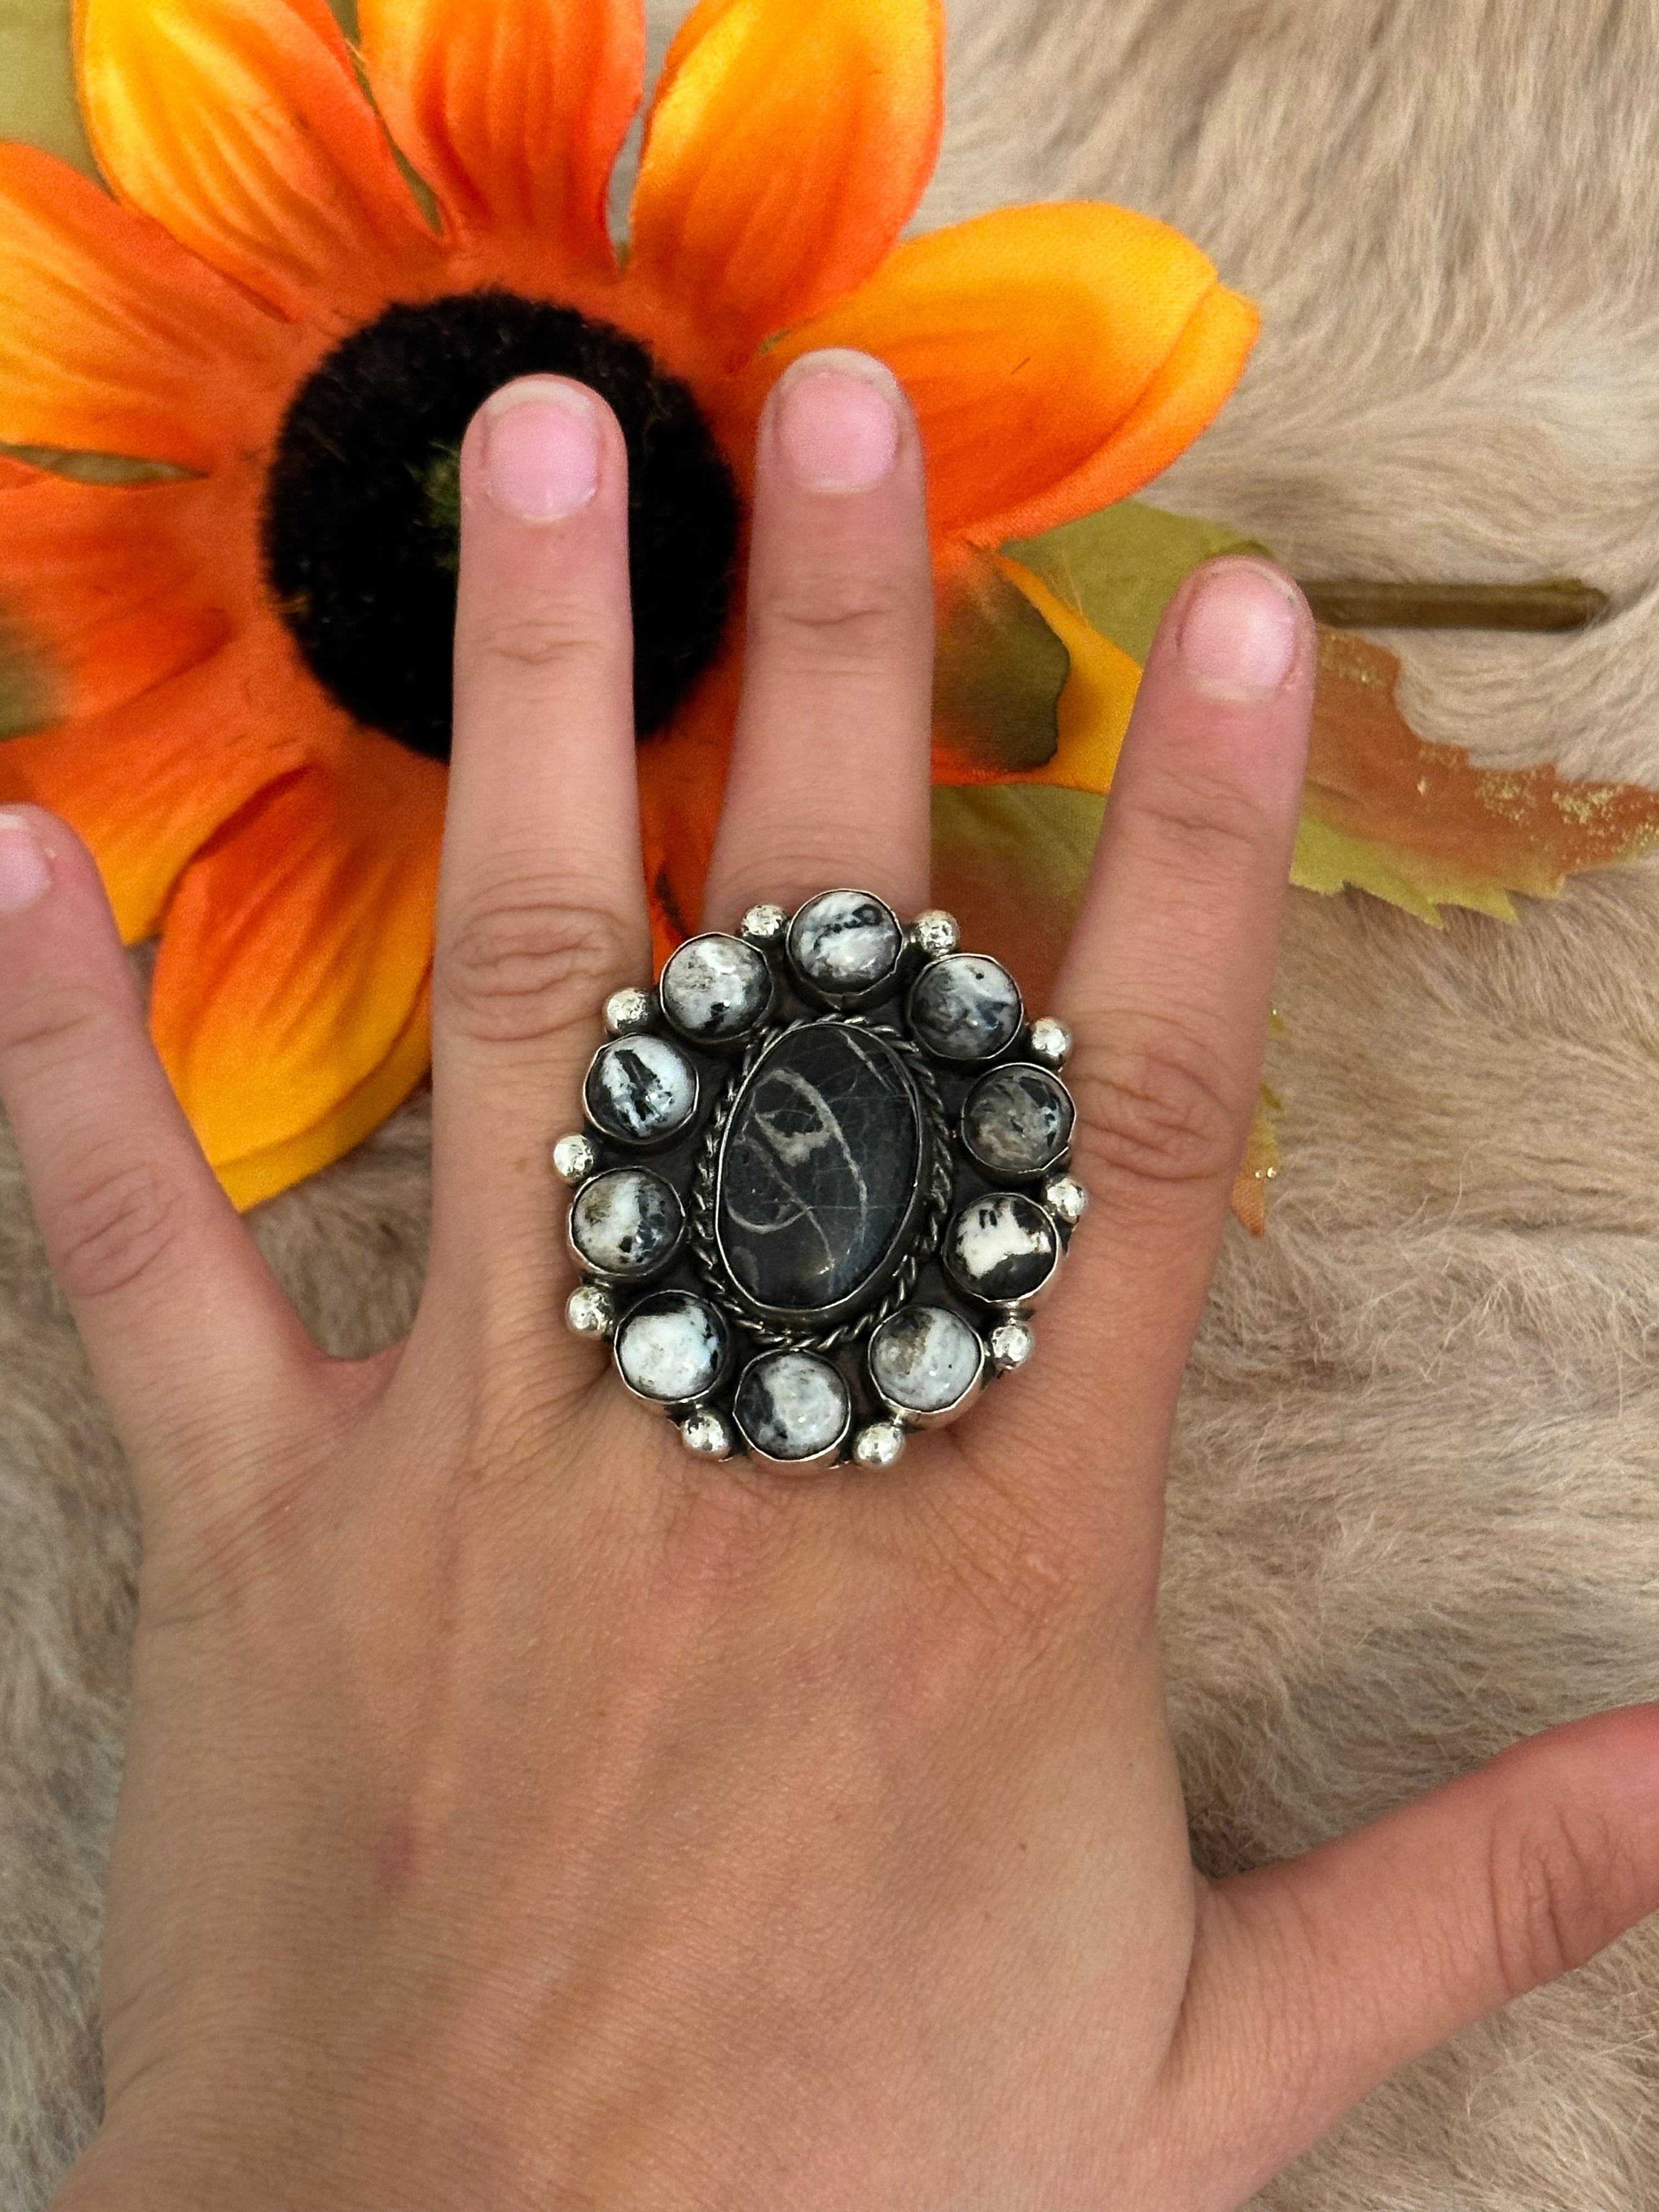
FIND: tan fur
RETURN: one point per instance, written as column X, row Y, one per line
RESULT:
column 1414, row 1511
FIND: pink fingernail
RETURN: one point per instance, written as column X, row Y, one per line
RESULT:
column 542, row 456
column 25, row 871
column 1240, row 631
column 838, row 421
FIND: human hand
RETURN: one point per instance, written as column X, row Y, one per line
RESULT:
column 519, row 1812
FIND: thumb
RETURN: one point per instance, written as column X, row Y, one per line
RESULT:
column 1335, row 1969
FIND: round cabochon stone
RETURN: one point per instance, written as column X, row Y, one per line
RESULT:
column 791, row 1406
column 1018, row 1120
column 842, row 942
column 641, row 1089
column 715, row 987
column 925, row 1360
column 671, row 1347
column 965, row 1007
column 1001, row 1246
column 626, row 1223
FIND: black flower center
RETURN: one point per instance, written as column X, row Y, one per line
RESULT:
column 360, row 528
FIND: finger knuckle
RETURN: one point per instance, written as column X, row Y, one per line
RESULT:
column 525, row 962
column 549, row 634
column 1154, row 1108
column 1205, row 829
column 113, row 1226
column 833, row 618
column 53, row 1027
column 1549, row 1880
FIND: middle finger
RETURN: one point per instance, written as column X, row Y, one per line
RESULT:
column 830, row 765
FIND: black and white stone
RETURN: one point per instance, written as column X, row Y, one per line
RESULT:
column 641, row 1089
column 820, row 1169
column 1018, row 1120
column 671, row 1347
column 793, row 1405
column 845, row 943
column 925, row 1361
column 1002, row 1248
column 965, row 1007
column 626, row 1224
column 715, row 988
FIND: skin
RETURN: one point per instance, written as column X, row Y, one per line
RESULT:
column 521, row 1813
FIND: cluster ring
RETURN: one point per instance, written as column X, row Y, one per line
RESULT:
column 823, row 1181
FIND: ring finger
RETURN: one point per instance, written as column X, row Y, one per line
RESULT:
column 830, row 771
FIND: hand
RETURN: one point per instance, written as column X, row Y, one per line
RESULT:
column 519, row 1812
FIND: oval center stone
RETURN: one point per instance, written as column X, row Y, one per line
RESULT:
column 820, row 1169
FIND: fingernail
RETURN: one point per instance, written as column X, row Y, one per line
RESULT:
column 541, row 454
column 1240, row 630
column 838, row 421
column 25, row 871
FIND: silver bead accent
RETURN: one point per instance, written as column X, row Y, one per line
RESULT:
column 590, row 1311
column 934, row 934
column 880, row 1445
column 575, row 1157
column 708, row 1434
column 1012, row 1343
column 1066, row 1196
column 764, row 926
column 627, row 1012
column 1050, row 1043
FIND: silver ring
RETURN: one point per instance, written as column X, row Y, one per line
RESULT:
column 822, row 1181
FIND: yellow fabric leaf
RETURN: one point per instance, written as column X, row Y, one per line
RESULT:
column 1096, row 699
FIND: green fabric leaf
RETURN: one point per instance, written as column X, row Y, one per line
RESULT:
column 1121, row 568
column 999, row 672
column 37, row 81
column 26, row 691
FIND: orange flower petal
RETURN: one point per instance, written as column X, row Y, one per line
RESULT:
column 146, row 784
column 1183, row 399
column 263, row 1175
column 787, row 149
column 1027, row 339
column 240, row 125
column 109, row 590
column 296, row 946
column 113, row 339
column 513, row 110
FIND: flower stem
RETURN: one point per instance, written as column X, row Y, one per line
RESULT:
column 1550, row 602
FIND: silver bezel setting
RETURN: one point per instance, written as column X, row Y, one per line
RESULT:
column 638, row 1147
column 856, row 996
column 827, row 1455
column 745, row 1029
column 623, row 1278
column 783, row 1184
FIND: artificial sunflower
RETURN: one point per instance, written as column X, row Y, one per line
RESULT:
column 314, row 262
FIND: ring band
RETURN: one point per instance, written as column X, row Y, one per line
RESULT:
column 822, row 1180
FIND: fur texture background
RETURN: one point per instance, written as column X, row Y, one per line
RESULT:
column 1415, row 1509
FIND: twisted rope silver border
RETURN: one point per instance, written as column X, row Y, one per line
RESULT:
column 923, row 1243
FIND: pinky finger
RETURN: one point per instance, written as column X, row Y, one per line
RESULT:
column 190, row 1336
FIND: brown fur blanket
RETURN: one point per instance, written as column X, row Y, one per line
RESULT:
column 1415, row 1500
